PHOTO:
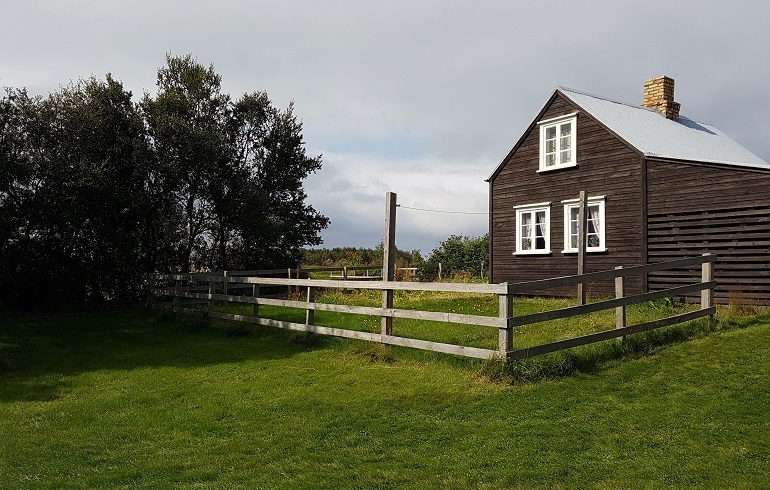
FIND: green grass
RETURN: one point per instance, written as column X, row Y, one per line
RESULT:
column 135, row 400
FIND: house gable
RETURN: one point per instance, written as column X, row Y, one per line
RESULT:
column 606, row 166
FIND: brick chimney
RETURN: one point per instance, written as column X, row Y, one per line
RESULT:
column 659, row 95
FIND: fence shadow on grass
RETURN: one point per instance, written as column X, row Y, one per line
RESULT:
column 39, row 354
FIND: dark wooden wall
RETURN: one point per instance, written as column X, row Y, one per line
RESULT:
column 694, row 209
column 606, row 167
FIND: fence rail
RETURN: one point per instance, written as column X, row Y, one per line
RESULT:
column 182, row 287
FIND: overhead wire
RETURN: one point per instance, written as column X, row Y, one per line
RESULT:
column 439, row 210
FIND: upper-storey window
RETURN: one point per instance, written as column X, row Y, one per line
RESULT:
column 557, row 142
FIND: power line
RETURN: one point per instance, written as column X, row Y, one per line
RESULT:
column 438, row 210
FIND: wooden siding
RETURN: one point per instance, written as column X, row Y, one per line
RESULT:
column 694, row 209
column 607, row 166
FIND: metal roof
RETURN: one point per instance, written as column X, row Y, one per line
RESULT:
column 655, row 136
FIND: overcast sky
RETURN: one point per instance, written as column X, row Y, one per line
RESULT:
column 421, row 98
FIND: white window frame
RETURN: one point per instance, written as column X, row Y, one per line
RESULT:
column 557, row 123
column 571, row 204
column 531, row 209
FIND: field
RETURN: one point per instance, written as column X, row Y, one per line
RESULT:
column 142, row 400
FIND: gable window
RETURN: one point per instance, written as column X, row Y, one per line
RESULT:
column 533, row 235
column 595, row 236
column 557, row 142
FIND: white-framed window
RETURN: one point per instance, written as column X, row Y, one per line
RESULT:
column 557, row 142
column 533, row 230
column 595, row 221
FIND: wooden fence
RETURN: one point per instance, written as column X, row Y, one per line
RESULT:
column 180, row 287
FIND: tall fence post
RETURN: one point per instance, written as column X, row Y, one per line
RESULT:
column 620, row 292
column 225, row 286
column 505, row 334
column 707, row 275
column 388, row 260
column 582, row 239
column 439, row 272
column 310, row 313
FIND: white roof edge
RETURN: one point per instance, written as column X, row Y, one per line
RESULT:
column 657, row 137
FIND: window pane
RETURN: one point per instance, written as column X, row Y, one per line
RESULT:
column 573, row 241
column 550, row 133
column 566, row 129
column 540, row 243
column 550, row 146
column 566, row 156
column 526, row 243
column 550, row 160
column 565, row 143
column 593, row 240
column 526, row 218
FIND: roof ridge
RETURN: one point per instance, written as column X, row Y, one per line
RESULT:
column 600, row 97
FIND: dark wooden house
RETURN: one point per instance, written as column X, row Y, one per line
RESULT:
column 660, row 186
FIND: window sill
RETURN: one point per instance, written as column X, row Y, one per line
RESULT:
column 590, row 250
column 539, row 252
column 559, row 167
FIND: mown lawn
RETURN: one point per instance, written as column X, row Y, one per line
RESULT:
column 137, row 400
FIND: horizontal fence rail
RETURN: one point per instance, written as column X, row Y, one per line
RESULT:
column 246, row 287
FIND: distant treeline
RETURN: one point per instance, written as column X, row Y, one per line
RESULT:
column 349, row 256
column 455, row 249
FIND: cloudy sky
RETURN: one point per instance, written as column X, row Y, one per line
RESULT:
column 421, row 98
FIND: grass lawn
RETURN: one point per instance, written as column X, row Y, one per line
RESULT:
column 138, row 400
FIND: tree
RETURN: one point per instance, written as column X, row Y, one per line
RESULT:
column 186, row 121
column 235, row 171
column 456, row 249
column 68, row 192
column 97, row 191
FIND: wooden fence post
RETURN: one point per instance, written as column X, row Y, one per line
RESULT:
column 620, row 292
column 707, row 275
column 344, row 273
column 224, row 282
column 388, row 260
column 439, row 272
column 255, row 294
column 288, row 288
column 211, row 292
column 310, row 313
column 177, row 289
column 582, row 239
column 505, row 334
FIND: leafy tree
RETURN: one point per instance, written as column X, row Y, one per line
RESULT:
column 456, row 249
column 186, row 121
column 96, row 191
column 69, row 189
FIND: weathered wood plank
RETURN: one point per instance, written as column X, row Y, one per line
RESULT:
column 609, row 334
column 522, row 287
column 322, row 283
column 610, row 303
column 458, row 350
column 435, row 316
